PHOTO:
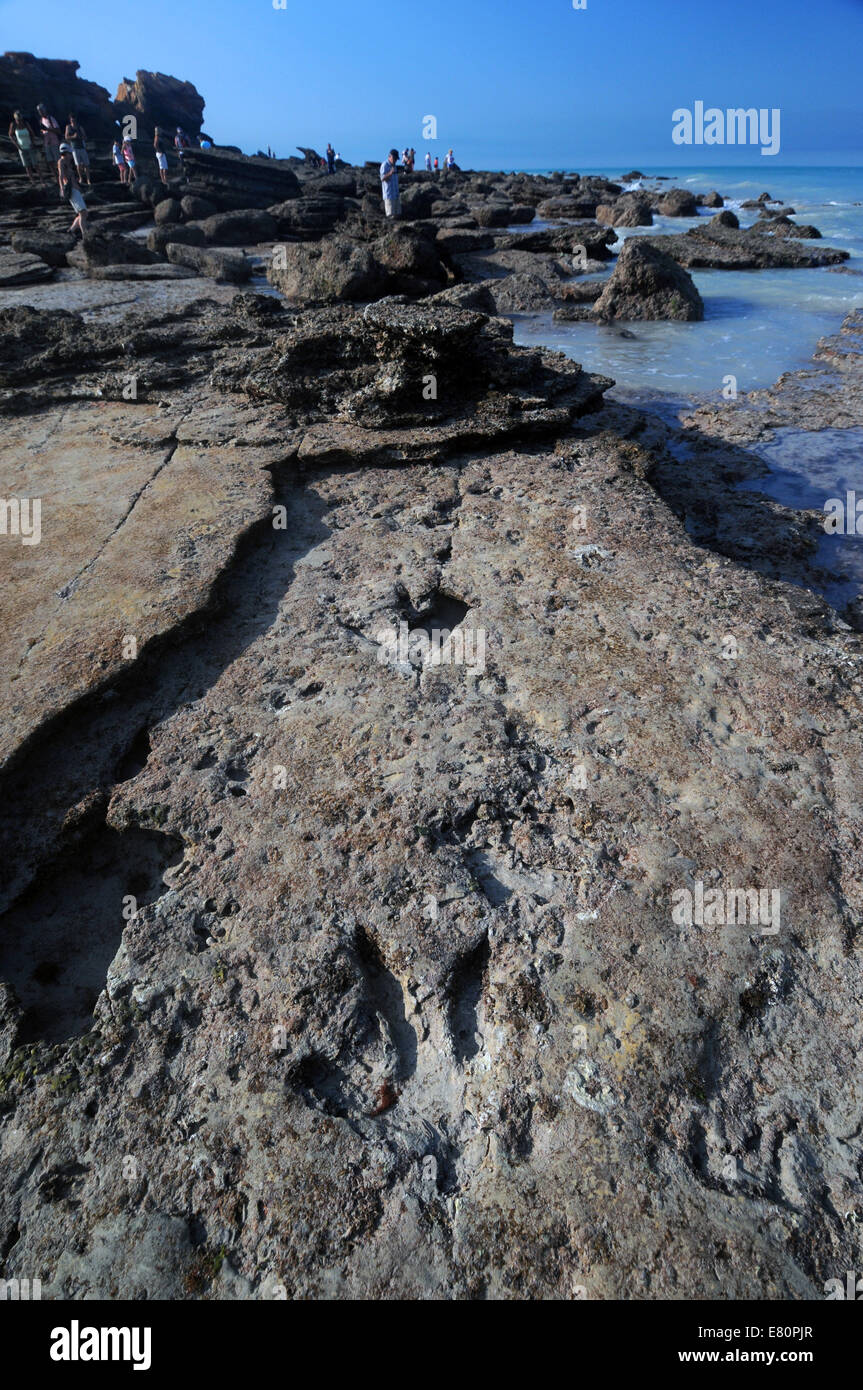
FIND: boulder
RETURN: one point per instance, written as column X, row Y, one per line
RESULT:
column 412, row 258
column 725, row 218
column 326, row 272
column 343, row 184
column 401, row 261
column 491, row 214
column 187, row 234
column 309, row 217
column 216, row 262
column 647, row 284
column 572, row 313
column 149, row 190
column 567, row 206
column 168, row 210
column 587, row 237
column 782, row 226
column 196, row 209
column 241, row 228
column 417, row 201
column 51, row 247
column 678, row 202
column 106, row 248
column 22, row 268
column 521, row 293
column 455, row 239
column 628, row 211
column 713, row 200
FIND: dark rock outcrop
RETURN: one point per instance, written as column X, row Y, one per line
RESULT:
column 157, row 100
column 725, row 218
column 402, row 261
column 152, row 98
column 309, row 217
column 646, row 284
column 233, row 181
column 629, row 210
column 241, row 228
column 196, row 209
column 715, row 245
column 22, row 268
column 51, row 247
column 167, row 210
column 106, row 248
column 356, row 378
column 25, row 81
column 678, row 202
column 216, row 262
column 189, row 234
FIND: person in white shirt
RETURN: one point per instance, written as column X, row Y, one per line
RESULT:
column 390, row 185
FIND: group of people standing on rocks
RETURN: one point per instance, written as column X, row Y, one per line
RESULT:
column 46, row 148
column 390, row 176
column 125, row 162
column 409, row 159
column 432, row 165
column 53, row 141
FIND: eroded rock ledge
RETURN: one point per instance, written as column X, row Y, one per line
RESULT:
column 403, row 1009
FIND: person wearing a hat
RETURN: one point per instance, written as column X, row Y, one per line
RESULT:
column 390, row 185
column 67, row 177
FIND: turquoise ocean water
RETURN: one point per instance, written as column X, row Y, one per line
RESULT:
column 757, row 325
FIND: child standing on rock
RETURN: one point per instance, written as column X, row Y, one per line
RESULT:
column 129, row 158
column 118, row 160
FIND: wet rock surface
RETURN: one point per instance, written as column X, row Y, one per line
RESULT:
column 647, row 284
column 373, row 692
column 720, row 246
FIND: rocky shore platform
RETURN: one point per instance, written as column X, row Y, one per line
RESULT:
column 375, row 694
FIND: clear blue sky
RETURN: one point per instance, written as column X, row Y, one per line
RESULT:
column 516, row 83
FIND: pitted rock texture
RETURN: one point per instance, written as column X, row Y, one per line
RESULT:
column 409, row 1013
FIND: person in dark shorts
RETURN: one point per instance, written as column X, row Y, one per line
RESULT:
column 76, row 136
column 70, row 188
